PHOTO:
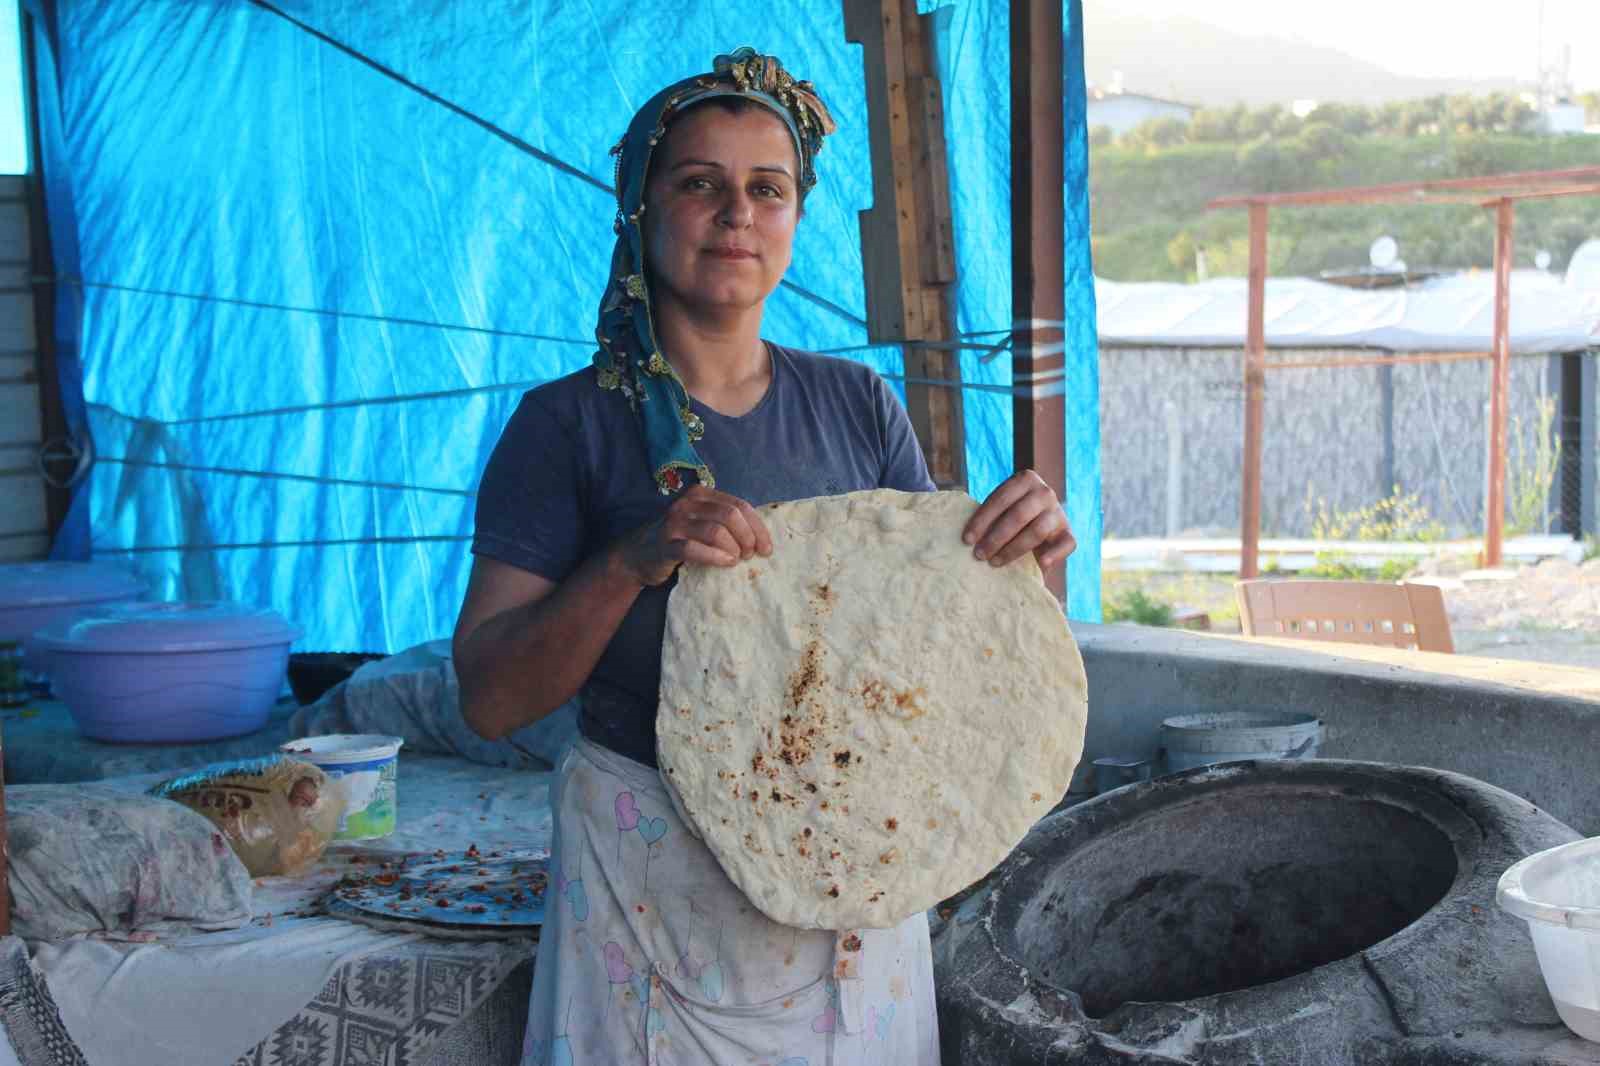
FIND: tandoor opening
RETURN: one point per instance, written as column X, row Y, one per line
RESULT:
column 1235, row 889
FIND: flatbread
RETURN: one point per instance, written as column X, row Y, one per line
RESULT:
column 869, row 720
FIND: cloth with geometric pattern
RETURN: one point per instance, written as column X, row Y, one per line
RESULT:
column 28, row 1013
column 385, row 1008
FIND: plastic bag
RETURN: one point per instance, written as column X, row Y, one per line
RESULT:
column 277, row 813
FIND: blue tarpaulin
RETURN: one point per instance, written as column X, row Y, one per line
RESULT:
column 310, row 255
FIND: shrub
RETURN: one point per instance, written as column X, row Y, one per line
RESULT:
column 1135, row 606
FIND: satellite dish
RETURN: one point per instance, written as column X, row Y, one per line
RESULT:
column 1383, row 252
column 1542, row 260
column 1583, row 270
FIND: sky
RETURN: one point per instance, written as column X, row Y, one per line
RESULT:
column 1425, row 38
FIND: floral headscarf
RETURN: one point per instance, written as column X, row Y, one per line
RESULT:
column 629, row 357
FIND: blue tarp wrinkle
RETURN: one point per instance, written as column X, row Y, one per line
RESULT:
column 315, row 250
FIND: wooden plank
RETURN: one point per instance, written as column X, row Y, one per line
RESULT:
column 1038, row 247
column 19, row 413
column 16, row 320
column 22, row 507
column 24, row 548
column 19, row 459
column 14, row 244
column 907, row 247
column 18, row 367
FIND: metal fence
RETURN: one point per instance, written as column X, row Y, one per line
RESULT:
column 1341, row 439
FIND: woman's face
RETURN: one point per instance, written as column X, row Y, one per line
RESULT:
column 721, row 207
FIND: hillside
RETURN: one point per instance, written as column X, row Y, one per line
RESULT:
column 1190, row 60
column 1147, row 204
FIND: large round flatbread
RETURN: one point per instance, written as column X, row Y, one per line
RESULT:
column 869, row 720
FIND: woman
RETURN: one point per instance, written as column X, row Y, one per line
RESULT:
column 649, row 953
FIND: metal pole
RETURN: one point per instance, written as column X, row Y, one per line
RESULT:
column 1499, row 388
column 1038, row 235
column 1174, row 470
column 1255, row 385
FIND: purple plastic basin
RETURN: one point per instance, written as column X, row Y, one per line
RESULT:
column 168, row 672
column 36, row 595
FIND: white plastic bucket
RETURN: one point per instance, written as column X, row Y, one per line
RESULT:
column 1558, row 893
column 1192, row 740
column 365, row 767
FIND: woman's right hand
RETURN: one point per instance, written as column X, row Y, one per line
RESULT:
column 702, row 526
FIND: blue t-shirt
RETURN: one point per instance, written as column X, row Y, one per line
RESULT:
column 569, row 477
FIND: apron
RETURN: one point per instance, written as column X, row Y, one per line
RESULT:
column 650, row 955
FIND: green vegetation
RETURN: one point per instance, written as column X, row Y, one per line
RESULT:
column 1337, row 566
column 1398, row 516
column 1532, row 470
column 1149, row 189
column 1137, row 607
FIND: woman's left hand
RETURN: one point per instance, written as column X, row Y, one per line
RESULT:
column 1021, row 515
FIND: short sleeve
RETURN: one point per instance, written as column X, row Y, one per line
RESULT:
column 904, row 467
column 530, row 501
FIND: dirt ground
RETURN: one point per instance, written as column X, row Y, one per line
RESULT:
column 1547, row 613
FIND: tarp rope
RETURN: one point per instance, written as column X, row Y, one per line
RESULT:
column 509, row 137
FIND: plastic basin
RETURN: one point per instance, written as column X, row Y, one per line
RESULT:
column 1558, row 893
column 168, row 672
column 1192, row 740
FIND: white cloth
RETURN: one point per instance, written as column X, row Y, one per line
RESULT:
column 200, row 999
column 650, row 954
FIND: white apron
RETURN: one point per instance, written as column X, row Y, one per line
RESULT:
column 649, row 955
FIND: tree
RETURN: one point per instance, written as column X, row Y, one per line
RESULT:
column 1101, row 136
column 1162, row 132
column 1352, row 119
column 1214, row 125
column 1180, row 253
column 1260, row 123
column 1269, row 166
column 1322, row 140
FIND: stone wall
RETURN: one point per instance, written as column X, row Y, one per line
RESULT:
column 1324, row 437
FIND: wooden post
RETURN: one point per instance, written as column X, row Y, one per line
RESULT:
column 1038, row 235
column 907, row 242
column 1499, row 387
column 1255, row 386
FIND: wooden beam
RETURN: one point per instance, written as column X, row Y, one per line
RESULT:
column 1520, row 182
column 907, row 247
column 1499, row 388
column 1255, row 386
column 1038, row 235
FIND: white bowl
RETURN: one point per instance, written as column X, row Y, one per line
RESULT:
column 1558, row 893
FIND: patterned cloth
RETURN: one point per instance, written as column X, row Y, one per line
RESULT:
column 629, row 358
column 650, row 955
column 385, row 1008
column 30, row 1018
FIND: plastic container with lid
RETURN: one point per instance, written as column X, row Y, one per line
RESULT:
column 365, row 765
column 168, row 672
column 1557, row 892
column 35, row 595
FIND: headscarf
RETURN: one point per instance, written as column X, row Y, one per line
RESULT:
column 629, row 357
